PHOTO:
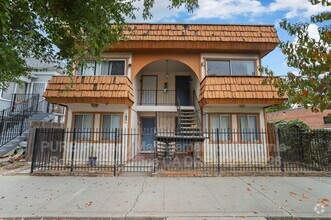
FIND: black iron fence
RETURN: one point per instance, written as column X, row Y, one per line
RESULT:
column 80, row 150
column 310, row 150
column 213, row 152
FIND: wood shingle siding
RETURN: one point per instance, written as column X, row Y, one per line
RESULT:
column 198, row 37
column 90, row 89
column 201, row 32
column 238, row 90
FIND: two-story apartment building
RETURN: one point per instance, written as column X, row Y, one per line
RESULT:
column 191, row 77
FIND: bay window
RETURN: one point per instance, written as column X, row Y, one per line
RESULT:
column 231, row 67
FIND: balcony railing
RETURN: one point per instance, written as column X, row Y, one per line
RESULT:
column 157, row 97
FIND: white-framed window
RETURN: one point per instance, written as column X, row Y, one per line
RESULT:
column 38, row 88
column 231, row 67
column 222, row 122
column 83, row 123
column 7, row 94
column 104, row 68
column 109, row 123
column 88, row 69
column 22, row 89
column 249, row 128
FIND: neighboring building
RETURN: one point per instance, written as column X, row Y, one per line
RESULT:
column 22, row 103
column 167, row 72
column 35, row 83
column 317, row 120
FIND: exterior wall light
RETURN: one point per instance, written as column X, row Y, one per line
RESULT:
column 165, row 87
column 167, row 73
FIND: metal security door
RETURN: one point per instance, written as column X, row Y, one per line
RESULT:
column 147, row 139
column 183, row 90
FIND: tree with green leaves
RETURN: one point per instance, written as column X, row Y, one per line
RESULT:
column 286, row 105
column 312, row 57
column 70, row 30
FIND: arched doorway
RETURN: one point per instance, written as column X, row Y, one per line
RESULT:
column 160, row 87
column 166, row 83
column 164, row 111
column 141, row 60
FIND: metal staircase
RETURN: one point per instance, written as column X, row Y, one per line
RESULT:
column 188, row 130
column 15, row 121
column 188, row 122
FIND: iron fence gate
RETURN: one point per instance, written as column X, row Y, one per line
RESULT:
column 211, row 152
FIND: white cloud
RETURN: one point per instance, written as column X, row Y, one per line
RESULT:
column 160, row 12
column 276, row 23
column 230, row 9
column 313, row 32
column 226, row 9
column 297, row 8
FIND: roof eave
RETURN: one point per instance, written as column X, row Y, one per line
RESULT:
column 262, row 47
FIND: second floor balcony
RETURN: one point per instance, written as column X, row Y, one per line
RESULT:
column 165, row 83
column 90, row 90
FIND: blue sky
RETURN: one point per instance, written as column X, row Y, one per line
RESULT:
column 242, row 12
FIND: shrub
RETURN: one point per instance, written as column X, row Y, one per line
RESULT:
column 293, row 139
column 320, row 147
column 301, row 144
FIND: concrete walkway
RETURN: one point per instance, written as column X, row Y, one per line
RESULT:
column 174, row 198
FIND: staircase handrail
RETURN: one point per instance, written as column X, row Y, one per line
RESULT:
column 17, row 108
column 179, row 114
column 13, row 126
column 197, row 109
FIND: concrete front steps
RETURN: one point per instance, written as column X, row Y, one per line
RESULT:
column 21, row 139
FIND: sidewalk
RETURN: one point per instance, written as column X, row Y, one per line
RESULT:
column 175, row 198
